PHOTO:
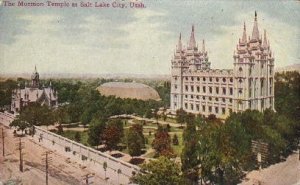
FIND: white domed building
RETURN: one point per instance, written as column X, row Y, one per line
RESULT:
column 130, row 90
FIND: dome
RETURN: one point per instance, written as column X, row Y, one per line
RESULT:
column 128, row 90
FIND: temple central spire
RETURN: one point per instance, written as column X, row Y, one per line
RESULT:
column 192, row 43
column 255, row 32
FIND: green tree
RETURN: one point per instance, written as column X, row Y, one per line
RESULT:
column 175, row 140
column 77, row 137
column 20, row 124
column 36, row 114
column 189, row 156
column 161, row 171
column 96, row 129
column 135, row 140
column 60, row 129
column 180, row 116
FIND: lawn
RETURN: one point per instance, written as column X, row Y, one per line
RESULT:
column 147, row 129
column 151, row 127
column 70, row 134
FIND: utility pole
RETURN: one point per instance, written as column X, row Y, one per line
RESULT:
column 86, row 178
column 3, row 136
column 47, row 160
column 20, row 147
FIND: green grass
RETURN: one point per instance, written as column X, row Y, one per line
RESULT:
column 150, row 126
column 177, row 149
column 70, row 134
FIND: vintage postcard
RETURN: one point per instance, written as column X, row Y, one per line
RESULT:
column 149, row 92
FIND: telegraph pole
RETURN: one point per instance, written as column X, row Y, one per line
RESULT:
column 3, row 150
column 86, row 178
column 47, row 160
column 20, row 147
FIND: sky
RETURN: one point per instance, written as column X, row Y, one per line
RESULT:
column 138, row 41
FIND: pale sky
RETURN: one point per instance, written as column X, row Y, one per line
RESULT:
column 139, row 41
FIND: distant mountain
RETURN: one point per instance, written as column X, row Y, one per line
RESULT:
column 294, row 67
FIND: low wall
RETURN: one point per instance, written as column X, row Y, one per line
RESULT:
column 6, row 118
column 87, row 156
column 117, row 172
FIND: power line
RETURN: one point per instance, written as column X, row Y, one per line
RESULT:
column 3, row 136
column 20, row 147
column 47, row 160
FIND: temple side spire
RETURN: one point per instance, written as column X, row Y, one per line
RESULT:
column 179, row 46
column 203, row 46
column 255, row 32
column 192, row 43
column 244, row 38
column 265, row 42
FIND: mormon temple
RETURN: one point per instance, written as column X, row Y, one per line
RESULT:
column 197, row 88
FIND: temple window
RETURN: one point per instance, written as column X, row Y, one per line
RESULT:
column 224, row 91
column 217, row 110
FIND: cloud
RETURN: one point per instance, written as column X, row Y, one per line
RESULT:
column 138, row 41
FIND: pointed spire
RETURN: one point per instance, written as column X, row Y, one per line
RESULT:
column 265, row 42
column 192, row 43
column 244, row 38
column 203, row 46
column 255, row 32
column 35, row 69
column 179, row 46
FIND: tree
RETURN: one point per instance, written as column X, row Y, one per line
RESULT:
column 148, row 113
column 77, row 137
column 60, row 129
column 60, row 115
column 20, row 124
column 180, row 116
column 36, row 114
column 161, row 171
column 135, row 140
column 96, row 129
column 112, row 134
column 162, row 142
column 189, row 156
column 164, row 116
column 175, row 140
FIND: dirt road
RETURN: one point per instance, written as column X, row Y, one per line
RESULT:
column 61, row 171
column 284, row 173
